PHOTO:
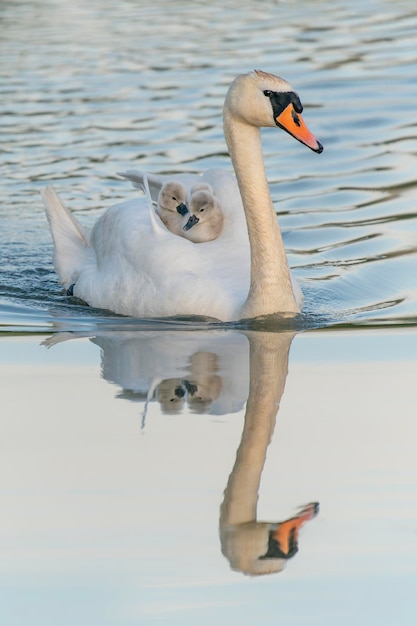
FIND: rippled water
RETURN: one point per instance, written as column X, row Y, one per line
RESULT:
column 97, row 89
column 100, row 444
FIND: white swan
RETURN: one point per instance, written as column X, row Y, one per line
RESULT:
column 132, row 265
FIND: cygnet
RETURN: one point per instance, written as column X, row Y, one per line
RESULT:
column 206, row 216
column 171, row 207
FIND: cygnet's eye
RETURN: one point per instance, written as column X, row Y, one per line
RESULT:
column 268, row 93
column 201, row 210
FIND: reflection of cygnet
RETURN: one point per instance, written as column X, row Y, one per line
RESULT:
column 171, row 207
column 206, row 216
column 204, row 384
column 170, row 394
column 202, row 393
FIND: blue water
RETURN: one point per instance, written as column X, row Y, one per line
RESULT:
column 117, row 429
column 98, row 89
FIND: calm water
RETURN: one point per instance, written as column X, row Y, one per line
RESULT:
column 119, row 435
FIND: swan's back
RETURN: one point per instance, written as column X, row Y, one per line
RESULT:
column 148, row 273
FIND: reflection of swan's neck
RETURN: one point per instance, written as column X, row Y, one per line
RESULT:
column 268, row 372
column 270, row 287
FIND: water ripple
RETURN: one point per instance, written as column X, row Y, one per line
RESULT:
column 101, row 88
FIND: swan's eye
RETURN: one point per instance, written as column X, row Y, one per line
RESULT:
column 268, row 93
column 201, row 210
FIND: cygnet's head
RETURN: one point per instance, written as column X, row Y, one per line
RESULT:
column 203, row 186
column 206, row 217
column 172, row 197
column 170, row 394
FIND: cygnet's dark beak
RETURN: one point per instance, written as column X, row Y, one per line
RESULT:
column 179, row 391
column 192, row 221
column 190, row 387
column 182, row 209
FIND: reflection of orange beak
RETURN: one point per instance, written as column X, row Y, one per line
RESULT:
column 293, row 123
column 286, row 534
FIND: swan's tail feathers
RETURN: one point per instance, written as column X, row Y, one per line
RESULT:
column 69, row 237
column 137, row 178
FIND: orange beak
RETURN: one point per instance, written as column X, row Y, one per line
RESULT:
column 286, row 533
column 293, row 123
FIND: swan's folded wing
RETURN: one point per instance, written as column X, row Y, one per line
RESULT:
column 137, row 178
column 157, row 226
column 155, row 181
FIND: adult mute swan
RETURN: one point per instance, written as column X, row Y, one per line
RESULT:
column 131, row 264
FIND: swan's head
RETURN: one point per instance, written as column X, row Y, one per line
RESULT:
column 257, row 548
column 206, row 213
column 265, row 100
column 172, row 197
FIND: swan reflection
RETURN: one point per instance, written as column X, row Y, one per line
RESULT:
column 216, row 373
column 254, row 547
column 206, row 372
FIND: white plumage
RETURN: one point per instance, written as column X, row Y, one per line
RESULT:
column 132, row 264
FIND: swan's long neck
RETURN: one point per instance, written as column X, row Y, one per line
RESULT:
column 268, row 371
column 270, row 286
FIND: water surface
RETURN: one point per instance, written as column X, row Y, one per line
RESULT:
column 98, row 89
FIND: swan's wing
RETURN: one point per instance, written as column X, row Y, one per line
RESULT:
column 146, row 189
column 137, row 178
column 70, row 239
column 155, row 182
column 157, row 226
column 149, row 397
column 150, row 185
